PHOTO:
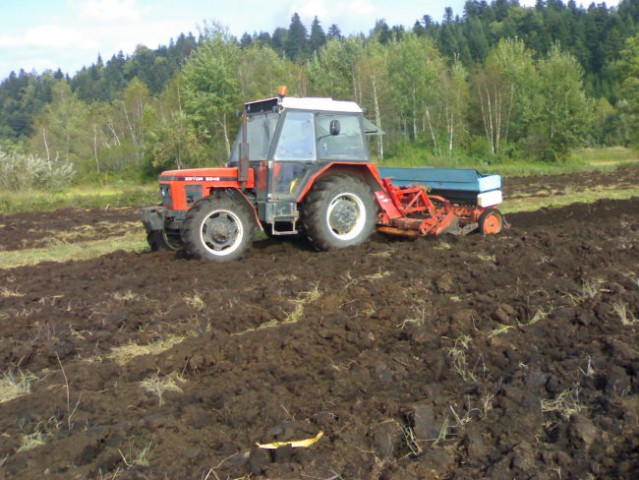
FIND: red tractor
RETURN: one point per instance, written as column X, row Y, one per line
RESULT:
column 300, row 166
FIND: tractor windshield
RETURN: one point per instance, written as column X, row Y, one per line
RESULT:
column 259, row 135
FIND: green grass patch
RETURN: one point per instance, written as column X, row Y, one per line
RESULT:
column 589, row 196
column 74, row 251
column 580, row 160
column 607, row 157
column 79, row 197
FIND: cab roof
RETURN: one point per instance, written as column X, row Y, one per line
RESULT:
column 315, row 104
column 320, row 104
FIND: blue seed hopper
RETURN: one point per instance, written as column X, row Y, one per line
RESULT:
column 464, row 185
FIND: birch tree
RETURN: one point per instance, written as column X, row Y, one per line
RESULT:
column 376, row 90
column 334, row 71
column 414, row 67
column 628, row 69
column 565, row 114
column 504, row 92
column 262, row 71
column 212, row 92
column 60, row 132
column 131, row 105
column 454, row 99
column 170, row 138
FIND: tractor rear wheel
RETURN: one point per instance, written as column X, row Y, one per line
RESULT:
column 491, row 222
column 339, row 212
column 218, row 228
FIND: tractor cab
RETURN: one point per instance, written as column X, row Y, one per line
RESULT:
column 286, row 142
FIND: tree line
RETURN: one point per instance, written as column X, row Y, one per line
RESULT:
column 501, row 81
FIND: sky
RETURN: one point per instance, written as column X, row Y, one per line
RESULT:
column 36, row 35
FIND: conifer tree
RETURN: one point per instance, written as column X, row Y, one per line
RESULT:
column 296, row 46
column 318, row 37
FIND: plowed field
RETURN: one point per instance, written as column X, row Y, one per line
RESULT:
column 512, row 356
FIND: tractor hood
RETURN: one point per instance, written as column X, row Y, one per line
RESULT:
column 228, row 174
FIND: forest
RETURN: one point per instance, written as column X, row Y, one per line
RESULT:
column 499, row 83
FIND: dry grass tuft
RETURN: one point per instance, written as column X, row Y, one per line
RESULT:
column 419, row 320
column 303, row 299
column 124, row 354
column 499, row 331
column 29, row 442
column 538, row 316
column 589, row 290
column 195, row 301
column 627, row 318
column 125, row 296
column 565, row 404
column 457, row 353
column 377, row 276
column 14, row 385
column 159, row 385
column 137, row 458
column 6, row 292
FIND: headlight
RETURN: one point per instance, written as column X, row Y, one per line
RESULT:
column 165, row 192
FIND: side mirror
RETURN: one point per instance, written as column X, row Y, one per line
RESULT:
column 335, row 128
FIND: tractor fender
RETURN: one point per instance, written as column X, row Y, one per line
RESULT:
column 237, row 193
column 369, row 173
column 365, row 171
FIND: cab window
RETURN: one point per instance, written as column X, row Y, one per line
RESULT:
column 347, row 145
column 297, row 139
column 261, row 129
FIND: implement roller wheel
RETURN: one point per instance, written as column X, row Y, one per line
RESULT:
column 491, row 222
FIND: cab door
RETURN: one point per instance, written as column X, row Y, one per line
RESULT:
column 261, row 130
column 294, row 155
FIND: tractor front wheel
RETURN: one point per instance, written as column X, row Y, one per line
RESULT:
column 218, row 228
column 161, row 240
column 339, row 212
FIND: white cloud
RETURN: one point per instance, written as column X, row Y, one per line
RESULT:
column 31, row 64
column 52, row 36
column 59, row 37
column 109, row 10
column 347, row 14
column 151, row 34
column 310, row 9
column 360, row 7
column 8, row 41
column 583, row 3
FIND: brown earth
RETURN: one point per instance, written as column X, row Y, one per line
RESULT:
column 67, row 225
column 550, row 185
column 512, row 356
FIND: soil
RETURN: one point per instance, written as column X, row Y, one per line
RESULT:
column 510, row 356
column 551, row 185
column 67, row 225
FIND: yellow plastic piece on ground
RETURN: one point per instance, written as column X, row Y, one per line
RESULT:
column 293, row 443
